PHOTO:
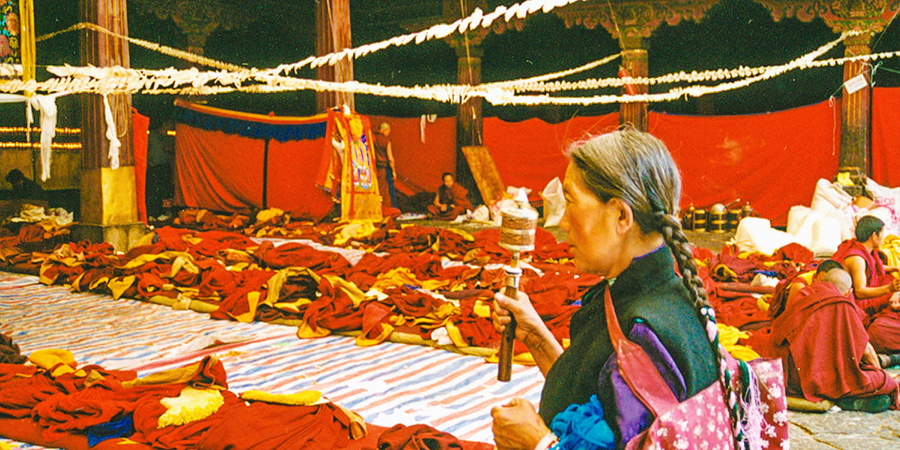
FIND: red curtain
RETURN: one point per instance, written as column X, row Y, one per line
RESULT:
column 139, row 126
column 771, row 160
column 221, row 156
column 420, row 164
column 886, row 136
column 217, row 171
column 530, row 153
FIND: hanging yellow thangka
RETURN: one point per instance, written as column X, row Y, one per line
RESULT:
column 360, row 199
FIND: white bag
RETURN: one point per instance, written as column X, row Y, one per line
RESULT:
column 554, row 203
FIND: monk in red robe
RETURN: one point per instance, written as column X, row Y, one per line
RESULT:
column 842, row 364
column 450, row 201
column 876, row 292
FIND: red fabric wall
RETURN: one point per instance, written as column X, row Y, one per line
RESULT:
column 771, row 160
column 530, row 153
column 420, row 165
column 139, row 126
column 886, row 136
column 217, row 171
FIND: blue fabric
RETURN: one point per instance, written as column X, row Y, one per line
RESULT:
column 581, row 427
column 123, row 427
column 250, row 129
column 768, row 273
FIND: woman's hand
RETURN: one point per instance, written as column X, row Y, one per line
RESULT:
column 530, row 328
column 517, row 425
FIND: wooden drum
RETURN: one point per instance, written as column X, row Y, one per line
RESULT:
column 732, row 219
column 717, row 222
column 699, row 222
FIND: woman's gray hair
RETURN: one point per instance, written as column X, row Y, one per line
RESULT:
column 635, row 167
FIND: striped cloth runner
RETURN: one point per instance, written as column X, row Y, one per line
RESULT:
column 386, row 384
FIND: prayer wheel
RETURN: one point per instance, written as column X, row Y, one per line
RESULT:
column 699, row 223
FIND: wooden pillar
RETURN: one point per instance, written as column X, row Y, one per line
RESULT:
column 333, row 34
column 469, row 121
column 856, row 109
column 635, row 61
column 108, row 196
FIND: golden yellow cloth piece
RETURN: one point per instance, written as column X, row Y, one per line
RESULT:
column 191, row 405
column 301, row 398
column 455, row 335
column 356, row 295
column 481, row 309
column 356, row 229
column 252, row 303
column 400, row 276
column 57, row 361
column 171, row 376
column 268, row 214
column 358, row 428
column 363, row 341
column 728, row 337
column 119, row 285
column 762, row 303
column 140, row 260
column 305, row 332
column 890, row 247
column 524, row 359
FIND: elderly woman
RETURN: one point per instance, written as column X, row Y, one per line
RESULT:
column 622, row 191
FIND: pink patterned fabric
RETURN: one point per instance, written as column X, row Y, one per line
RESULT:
column 702, row 422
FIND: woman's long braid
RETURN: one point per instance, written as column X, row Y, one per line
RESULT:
column 637, row 168
column 670, row 227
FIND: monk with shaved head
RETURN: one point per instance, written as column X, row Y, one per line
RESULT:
column 821, row 337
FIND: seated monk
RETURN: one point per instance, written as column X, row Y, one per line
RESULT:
column 843, row 365
column 875, row 290
column 789, row 287
column 450, row 201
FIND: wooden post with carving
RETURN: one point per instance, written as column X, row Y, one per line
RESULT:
column 333, row 34
column 108, row 196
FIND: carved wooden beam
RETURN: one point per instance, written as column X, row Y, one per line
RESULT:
column 196, row 19
column 840, row 15
column 632, row 18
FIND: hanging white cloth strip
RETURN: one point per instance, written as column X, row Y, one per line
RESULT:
column 111, row 135
column 49, row 113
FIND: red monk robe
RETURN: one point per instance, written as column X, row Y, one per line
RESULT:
column 883, row 324
column 821, row 338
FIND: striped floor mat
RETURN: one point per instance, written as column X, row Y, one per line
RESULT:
column 386, row 384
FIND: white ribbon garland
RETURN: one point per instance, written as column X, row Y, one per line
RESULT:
column 111, row 134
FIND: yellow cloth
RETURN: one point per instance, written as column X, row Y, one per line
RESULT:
column 890, row 247
column 481, row 309
column 525, row 359
column 171, row 376
column 298, row 399
column 191, row 405
column 363, row 341
column 119, row 285
column 268, row 214
column 728, row 337
column 356, row 229
column 305, row 332
column 56, row 360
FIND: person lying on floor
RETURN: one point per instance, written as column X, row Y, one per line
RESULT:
column 622, row 191
column 876, row 291
column 450, row 201
column 825, row 349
